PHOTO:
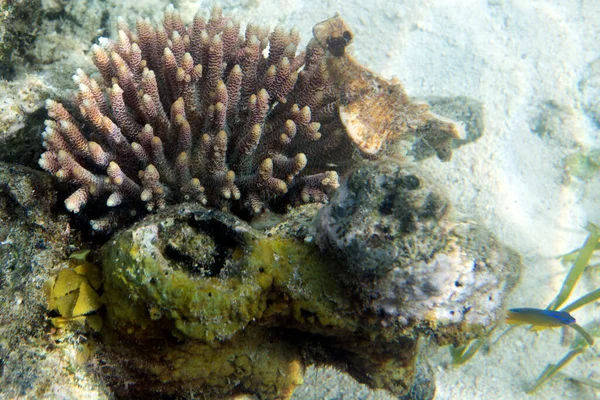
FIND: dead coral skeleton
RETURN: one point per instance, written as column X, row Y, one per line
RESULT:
column 374, row 111
column 199, row 113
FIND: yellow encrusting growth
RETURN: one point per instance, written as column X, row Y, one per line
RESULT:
column 72, row 292
column 240, row 311
column 215, row 307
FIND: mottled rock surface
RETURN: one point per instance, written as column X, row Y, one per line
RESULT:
column 33, row 241
column 420, row 264
column 19, row 21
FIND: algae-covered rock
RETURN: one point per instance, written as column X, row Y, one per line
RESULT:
column 204, row 274
column 33, row 242
column 467, row 112
column 19, row 21
column 204, row 291
column 261, row 362
column 419, row 263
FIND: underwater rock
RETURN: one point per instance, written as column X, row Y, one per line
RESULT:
column 414, row 259
column 553, row 123
column 33, row 241
column 466, row 111
column 19, row 21
column 205, row 291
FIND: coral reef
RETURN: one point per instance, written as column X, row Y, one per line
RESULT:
column 199, row 113
column 417, row 261
column 199, row 301
column 204, row 116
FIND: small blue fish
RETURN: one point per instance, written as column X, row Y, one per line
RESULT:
column 539, row 318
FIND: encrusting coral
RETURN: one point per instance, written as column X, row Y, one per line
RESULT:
column 198, row 113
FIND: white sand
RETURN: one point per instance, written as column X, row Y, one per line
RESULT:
column 513, row 56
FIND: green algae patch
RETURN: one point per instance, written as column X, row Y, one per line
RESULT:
column 239, row 303
column 147, row 288
column 205, row 275
column 67, row 282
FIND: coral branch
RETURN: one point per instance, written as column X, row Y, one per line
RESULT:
column 196, row 113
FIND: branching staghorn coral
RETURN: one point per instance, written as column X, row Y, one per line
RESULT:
column 199, row 113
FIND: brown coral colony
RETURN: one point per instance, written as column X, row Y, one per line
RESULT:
column 198, row 113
